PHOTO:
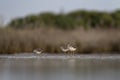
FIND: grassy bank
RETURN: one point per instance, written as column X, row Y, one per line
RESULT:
column 86, row 41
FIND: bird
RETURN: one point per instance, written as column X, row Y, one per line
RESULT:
column 71, row 49
column 37, row 51
column 64, row 50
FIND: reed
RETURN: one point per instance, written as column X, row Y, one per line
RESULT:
column 50, row 40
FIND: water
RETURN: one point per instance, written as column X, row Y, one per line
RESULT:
column 59, row 67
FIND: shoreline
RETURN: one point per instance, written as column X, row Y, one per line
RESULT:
column 62, row 56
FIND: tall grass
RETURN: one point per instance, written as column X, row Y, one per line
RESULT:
column 86, row 41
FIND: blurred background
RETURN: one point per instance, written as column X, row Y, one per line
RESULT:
column 93, row 26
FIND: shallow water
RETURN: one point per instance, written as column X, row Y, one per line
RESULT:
column 59, row 67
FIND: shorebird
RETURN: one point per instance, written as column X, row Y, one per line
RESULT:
column 69, row 49
column 64, row 50
column 37, row 51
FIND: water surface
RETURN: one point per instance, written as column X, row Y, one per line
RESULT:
column 59, row 67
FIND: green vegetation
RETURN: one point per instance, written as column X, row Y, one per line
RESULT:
column 88, row 31
column 72, row 20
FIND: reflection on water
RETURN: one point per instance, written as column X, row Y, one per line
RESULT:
column 59, row 69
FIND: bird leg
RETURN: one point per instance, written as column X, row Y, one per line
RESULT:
column 66, row 53
column 73, row 53
column 70, row 53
